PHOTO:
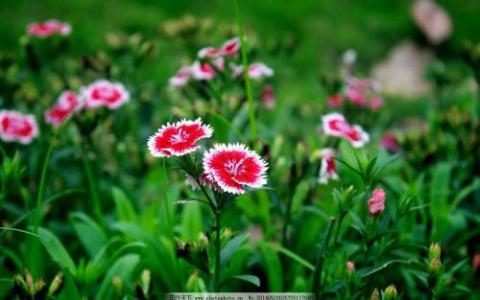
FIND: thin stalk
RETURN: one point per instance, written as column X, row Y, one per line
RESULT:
column 217, row 250
column 288, row 214
column 41, row 188
column 248, row 86
column 320, row 259
column 341, row 216
column 92, row 185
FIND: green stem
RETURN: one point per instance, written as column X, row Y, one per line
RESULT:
column 41, row 187
column 248, row 87
column 217, row 250
column 320, row 259
column 341, row 216
column 92, row 184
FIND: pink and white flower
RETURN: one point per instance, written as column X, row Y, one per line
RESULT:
column 48, row 28
column 334, row 124
column 255, row 70
column 179, row 138
column 328, row 167
column 268, row 96
column 234, row 167
column 376, row 204
column 208, row 52
column 230, row 47
column 104, row 93
column 181, row 78
column 202, row 71
column 66, row 104
column 17, row 127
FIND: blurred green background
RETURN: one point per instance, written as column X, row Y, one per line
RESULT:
column 322, row 28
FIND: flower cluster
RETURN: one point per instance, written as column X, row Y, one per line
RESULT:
column 101, row 93
column 334, row 124
column 17, row 127
column 229, row 168
column 212, row 60
column 48, row 28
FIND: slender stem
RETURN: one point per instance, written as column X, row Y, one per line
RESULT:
column 41, row 188
column 320, row 259
column 248, row 87
column 217, row 250
column 341, row 216
column 288, row 214
column 92, row 184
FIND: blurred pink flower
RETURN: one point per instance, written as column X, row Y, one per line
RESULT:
column 376, row 102
column 230, row 47
column 268, row 96
column 376, row 204
column 181, row 78
column 389, row 142
column 328, row 168
column 48, row 28
column 17, row 127
column 335, row 101
column 104, row 93
column 334, row 124
column 66, row 104
column 350, row 267
column 476, row 261
column 202, row 71
column 208, row 52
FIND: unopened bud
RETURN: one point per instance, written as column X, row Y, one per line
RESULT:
column 434, row 251
column 434, row 266
column 145, row 280
column 350, row 268
column 390, row 293
column 117, row 284
column 375, row 295
column 56, row 284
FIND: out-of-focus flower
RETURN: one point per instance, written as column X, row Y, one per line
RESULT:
column 334, row 124
column 476, row 261
column 17, row 127
column 104, row 93
column 376, row 204
column 179, row 138
column 66, row 104
column 181, row 78
column 202, row 71
column 48, row 28
column 268, row 96
column 363, row 92
column 376, row 102
column 230, row 47
column 219, row 63
column 335, row 101
column 234, row 167
column 350, row 267
column 208, row 52
column 255, row 71
column 389, row 142
column 328, row 168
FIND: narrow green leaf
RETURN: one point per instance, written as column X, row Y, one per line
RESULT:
column 55, row 249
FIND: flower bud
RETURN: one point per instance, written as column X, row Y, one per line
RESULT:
column 434, row 251
column 117, row 284
column 56, row 285
column 375, row 295
column 390, row 292
column 350, row 267
column 434, row 265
